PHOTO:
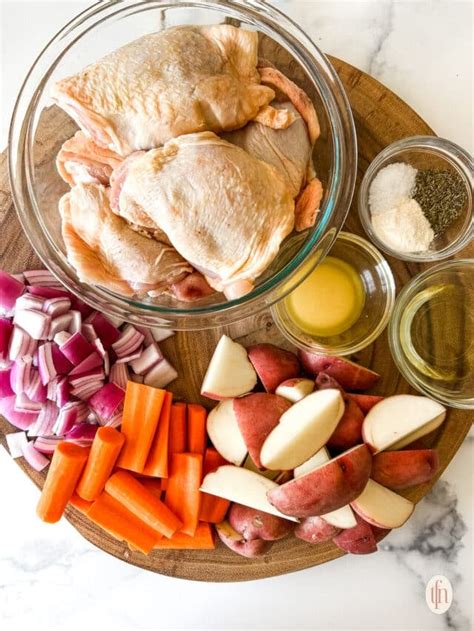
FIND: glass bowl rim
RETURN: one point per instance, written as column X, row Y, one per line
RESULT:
column 341, row 183
column 383, row 271
column 458, row 157
column 394, row 342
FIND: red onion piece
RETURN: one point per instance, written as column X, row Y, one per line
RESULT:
column 88, row 332
column 21, row 345
column 160, row 375
column 28, row 301
column 47, row 417
column 86, row 390
column 82, row 410
column 82, row 433
column 19, row 276
column 15, row 442
column 5, row 386
column 47, row 292
column 76, row 321
column 76, row 348
column 115, row 420
column 94, row 374
column 6, row 330
column 62, row 337
column 78, row 305
column 60, row 323
column 46, row 445
column 34, row 457
column 128, row 358
column 24, row 404
column 149, row 358
column 61, row 362
column 161, row 334
column 66, row 419
column 117, row 322
column 20, row 375
column 147, row 334
column 56, row 306
column 36, row 391
column 94, row 360
column 119, row 375
column 18, row 419
column 106, row 331
column 106, row 401
column 35, row 323
column 62, row 392
column 129, row 342
column 46, row 367
column 41, row 277
column 10, row 290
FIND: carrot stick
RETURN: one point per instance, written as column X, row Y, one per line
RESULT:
column 79, row 504
column 213, row 508
column 164, row 484
column 153, row 485
column 203, row 539
column 177, row 439
column 196, row 428
column 104, row 452
column 64, row 472
column 157, row 461
column 119, row 522
column 136, row 498
column 142, row 407
column 182, row 495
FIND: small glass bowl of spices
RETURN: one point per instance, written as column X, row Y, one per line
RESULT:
column 344, row 304
column 415, row 201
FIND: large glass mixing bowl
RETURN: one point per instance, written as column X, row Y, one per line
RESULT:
column 38, row 129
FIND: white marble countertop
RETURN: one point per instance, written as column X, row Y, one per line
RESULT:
column 51, row 578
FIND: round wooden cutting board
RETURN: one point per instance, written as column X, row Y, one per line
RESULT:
column 381, row 118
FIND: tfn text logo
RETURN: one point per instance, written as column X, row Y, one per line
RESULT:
column 439, row 594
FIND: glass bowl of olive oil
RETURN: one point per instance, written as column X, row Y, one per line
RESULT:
column 343, row 304
column 431, row 333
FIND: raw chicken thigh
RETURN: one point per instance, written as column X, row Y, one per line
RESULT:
column 177, row 81
column 225, row 211
column 81, row 161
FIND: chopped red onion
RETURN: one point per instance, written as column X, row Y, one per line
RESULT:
column 61, row 362
column 94, row 360
column 21, row 344
column 19, row 276
column 117, row 322
column 149, row 358
column 41, row 277
column 94, row 374
column 119, row 375
column 147, row 334
column 82, row 410
column 129, row 342
column 15, row 442
column 62, row 337
column 46, row 445
column 160, row 375
column 76, row 348
column 57, row 306
column 88, row 332
column 47, row 292
column 82, row 433
column 34, row 457
column 106, row 364
column 5, row 386
column 36, row 391
column 106, row 401
column 76, row 321
column 161, row 334
column 18, row 419
column 66, row 419
column 44, row 424
column 24, row 404
column 6, row 330
column 10, row 290
column 62, row 392
column 106, row 331
column 86, row 390
column 115, row 420
column 20, row 375
column 78, row 305
column 46, row 367
column 60, row 323
column 29, row 301
column 128, row 358
column 35, row 323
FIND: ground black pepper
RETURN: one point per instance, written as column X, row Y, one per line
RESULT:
column 441, row 195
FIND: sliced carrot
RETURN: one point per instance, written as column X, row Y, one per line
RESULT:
column 79, row 504
column 157, row 461
column 64, row 472
column 119, row 522
column 141, row 413
column 153, row 485
column 104, row 452
column 164, row 484
column 182, row 495
column 197, row 415
column 203, row 539
column 136, row 498
column 213, row 508
column 177, row 439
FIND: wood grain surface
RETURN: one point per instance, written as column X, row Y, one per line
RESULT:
column 380, row 118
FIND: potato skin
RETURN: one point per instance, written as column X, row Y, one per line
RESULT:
column 402, row 469
column 365, row 401
column 350, row 376
column 357, row 540
column 273, row 365
column 315, row 530
column 234, row 541
column 327, row 488
column 348, row 432
column 253, row 524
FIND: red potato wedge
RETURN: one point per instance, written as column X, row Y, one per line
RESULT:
column 229, row 374
column 257, row 414
column 341, row 518
column 327, row 488
column 249, row 464
column 400, row 420
column 273, row 365
column 350, row 376
column 315, row 530
column 295, row 389
column 348, row 432
column 324, row 381
column 234, row 540
column 224, row 432
column 380, row 533
column 401, row 469
column 365, row 401
column 357, row 540
column 382, row 507
column 319, row 458
column 253, row 524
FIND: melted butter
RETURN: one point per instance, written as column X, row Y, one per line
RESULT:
column 329, row 301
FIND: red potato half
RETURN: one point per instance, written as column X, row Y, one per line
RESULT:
column 315, row 530
column 382, row 507
column 257, row 414
column 365, row 401
column 273, row 365
column 357, row 540
column 349, row 375
column 229, row 374
column 295, row 389
column 224, row 432
column 234, row 540
column 401, row 469
column 327, row 488
column 254, row 524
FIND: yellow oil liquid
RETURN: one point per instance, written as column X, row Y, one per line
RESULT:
column 329, row 301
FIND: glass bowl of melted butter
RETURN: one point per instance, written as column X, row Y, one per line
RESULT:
column 343, row 304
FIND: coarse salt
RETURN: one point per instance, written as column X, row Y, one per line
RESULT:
column 404, row 228
column 393, row 185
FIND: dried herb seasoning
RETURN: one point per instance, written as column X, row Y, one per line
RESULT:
column 441, row 195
